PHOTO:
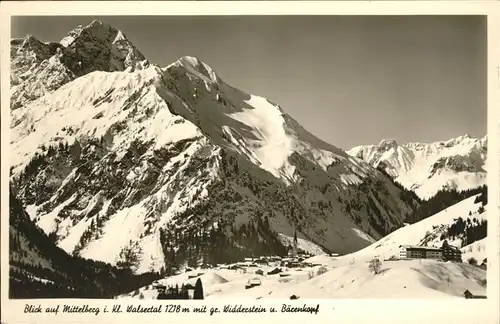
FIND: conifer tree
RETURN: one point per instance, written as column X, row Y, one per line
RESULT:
column 198, row 290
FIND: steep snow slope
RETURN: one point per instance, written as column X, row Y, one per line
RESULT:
column 152, row 166
column 39, row 269
column 458, row 163
column 476, row 250
column 302, row 244
column 426, row 232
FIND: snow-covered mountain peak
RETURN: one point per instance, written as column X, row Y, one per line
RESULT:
column 457, row 163
column 32, row 45
column 195, row 67
column 387, row 144
column 29, row 39
column 118, row 52
column 39, row 68
column 190, row 61
column 460, row 140
column 97, row 23
column 96, row 29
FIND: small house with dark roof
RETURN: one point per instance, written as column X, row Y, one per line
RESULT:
column 274, row 271
column 469, row 295
column 252, row 283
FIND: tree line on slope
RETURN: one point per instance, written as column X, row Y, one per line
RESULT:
column 408, row 196
column 444, row 199
column 371, row 199
column 466, row 229
column 469, row 231
column 40, row 269
column 217, row 244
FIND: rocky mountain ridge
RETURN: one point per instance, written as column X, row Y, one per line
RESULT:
column 38, row 68
column 459, row 163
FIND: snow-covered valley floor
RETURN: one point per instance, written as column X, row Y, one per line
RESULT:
column 398, row 279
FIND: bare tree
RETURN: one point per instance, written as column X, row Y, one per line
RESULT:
column 375, row 266
column 128, row 257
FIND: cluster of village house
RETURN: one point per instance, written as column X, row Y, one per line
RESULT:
column 296, row 260
column 447, row 252
column 293, row 261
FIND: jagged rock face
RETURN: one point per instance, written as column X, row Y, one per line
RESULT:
column 99, row 47
column 173, row 165
column 458, row 163
column 39, row 68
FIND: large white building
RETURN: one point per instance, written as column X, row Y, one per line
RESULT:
column 419, row 252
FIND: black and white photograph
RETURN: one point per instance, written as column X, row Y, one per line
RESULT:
column 254, row 157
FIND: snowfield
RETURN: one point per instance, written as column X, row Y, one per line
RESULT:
column 476, row 250
column 302, row 244
column 398, row 279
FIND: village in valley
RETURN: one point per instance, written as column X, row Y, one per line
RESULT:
column 260, row 267
column 258, row 275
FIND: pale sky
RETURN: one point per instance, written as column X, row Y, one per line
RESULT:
column 350, row 80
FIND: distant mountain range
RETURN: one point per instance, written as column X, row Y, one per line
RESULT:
column 459, row 163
